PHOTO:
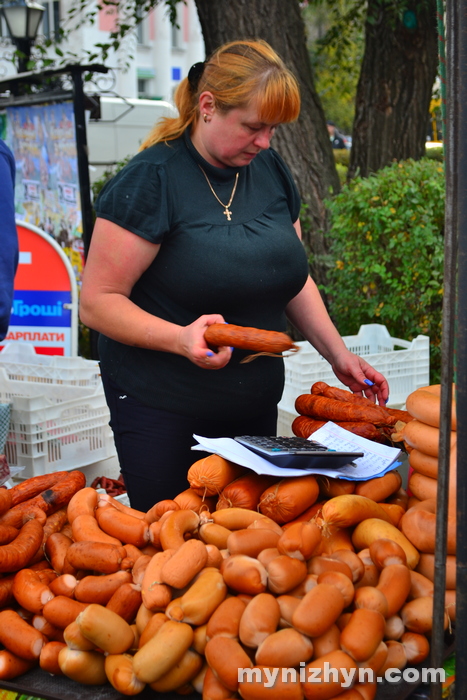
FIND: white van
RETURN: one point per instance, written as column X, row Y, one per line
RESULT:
column 122, row 127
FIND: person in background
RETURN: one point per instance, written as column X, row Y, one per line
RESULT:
column 8, row 236
column 337, row 140
column 201, row 227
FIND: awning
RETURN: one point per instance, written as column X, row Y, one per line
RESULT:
column 145, row 73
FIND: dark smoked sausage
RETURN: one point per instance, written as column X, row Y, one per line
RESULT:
column 50, row 500
column 33, row 486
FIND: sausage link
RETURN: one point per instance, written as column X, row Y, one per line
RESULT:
column 95, row 556
column 56, row 548
column 61, row 611
column 30, row 592
column 245, row 338
column 321, row 408
column 53, row 498
column 48, row 659
column 33, row 486
column 17, row 554
column 126, row 601
column 100, row 589
column 19, row 637
column 12, row 665
column 53, row 524
column 6, row 591
column 122, row 525
column 5, row 500
column 8, row 534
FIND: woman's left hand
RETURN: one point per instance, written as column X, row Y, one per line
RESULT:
column 192, row 344
column 353, row 371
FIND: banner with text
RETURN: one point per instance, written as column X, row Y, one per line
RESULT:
column 42, row 138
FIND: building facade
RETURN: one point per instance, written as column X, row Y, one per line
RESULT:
column 150, row 62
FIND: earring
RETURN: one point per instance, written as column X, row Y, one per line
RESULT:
column 205, row 117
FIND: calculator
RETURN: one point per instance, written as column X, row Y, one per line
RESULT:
column 297, row 452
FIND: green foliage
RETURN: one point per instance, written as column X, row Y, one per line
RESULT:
column 435, row 153
column 342, row 172
column 386, row 249
column 84, row 341
column 107, row 175
column 342, row 156
column 342, row 159
column 336, row 44
column 126, row 15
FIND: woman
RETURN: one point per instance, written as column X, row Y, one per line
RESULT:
column 202, row 227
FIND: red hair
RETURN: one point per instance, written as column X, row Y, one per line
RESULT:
column 235, row 74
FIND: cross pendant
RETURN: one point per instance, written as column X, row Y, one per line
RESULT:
column 228, row 214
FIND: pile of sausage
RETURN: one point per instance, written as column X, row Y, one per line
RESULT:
column 355, row 413
column 305, row 572
column 421, row 437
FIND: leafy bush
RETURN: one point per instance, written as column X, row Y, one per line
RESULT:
column 342, row 173
column 107, row 175
column 435, row 153
column 387, row 250
column 341, row 156
column 342, row 159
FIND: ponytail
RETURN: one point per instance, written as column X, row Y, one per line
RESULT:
column 170, row 128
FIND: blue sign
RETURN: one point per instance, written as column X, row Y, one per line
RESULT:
column 41, row 308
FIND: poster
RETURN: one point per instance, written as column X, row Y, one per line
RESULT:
column 42, row 138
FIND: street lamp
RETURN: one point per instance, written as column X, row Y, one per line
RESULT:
column 22, row 18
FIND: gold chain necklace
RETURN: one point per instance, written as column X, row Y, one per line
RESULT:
column 227, row 211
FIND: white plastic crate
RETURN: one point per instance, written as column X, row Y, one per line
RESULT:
column 55, row 427
column 405, row 364
column 22, row 363
column 284, row 422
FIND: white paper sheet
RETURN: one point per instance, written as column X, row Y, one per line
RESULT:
column 378, row 459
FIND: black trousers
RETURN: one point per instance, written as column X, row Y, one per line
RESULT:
column 154, row 446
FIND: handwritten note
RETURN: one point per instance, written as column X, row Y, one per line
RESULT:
column 377, row 459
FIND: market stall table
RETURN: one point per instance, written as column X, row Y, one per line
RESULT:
column 44, row 687
column 39, row 684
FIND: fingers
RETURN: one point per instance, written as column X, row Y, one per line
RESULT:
column 360, row 377
column 216, row 360
column 211, row 359
column 209, row 319
column 377, row 391
column 376, row 385
column 192, row 344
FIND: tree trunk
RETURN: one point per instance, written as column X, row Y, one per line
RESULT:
column 395, row 86
column 304, row 145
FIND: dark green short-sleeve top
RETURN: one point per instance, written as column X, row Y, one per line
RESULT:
column 246, row 269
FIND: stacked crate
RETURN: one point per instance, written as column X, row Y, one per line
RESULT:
column 59, row 417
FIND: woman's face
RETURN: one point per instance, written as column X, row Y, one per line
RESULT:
column 232, row 138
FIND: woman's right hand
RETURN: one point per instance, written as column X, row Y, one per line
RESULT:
column 193, row 346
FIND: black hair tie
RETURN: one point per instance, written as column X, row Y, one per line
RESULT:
column 194, row 75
